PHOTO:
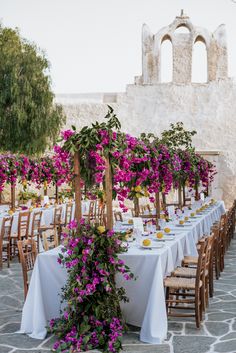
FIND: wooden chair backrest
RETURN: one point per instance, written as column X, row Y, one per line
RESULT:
column 92, row 210
column 50, row 239
column 101, row 215
column 68, row 215
column 36, row 221
column 28, row 253
column 6, row 227
column 57, row 215
column 23, row 225
column 201, row 265
column 118, row 216
column 209, row 251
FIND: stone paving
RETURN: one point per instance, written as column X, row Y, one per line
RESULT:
column 217, row 334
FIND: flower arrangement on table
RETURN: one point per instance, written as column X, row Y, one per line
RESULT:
column 25, row 196
column 92, row 316
column 66, row 193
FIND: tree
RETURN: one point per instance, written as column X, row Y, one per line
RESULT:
column 29, row 120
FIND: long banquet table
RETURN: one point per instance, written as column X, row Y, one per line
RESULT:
column 146, row 307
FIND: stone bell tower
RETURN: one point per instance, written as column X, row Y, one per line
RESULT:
column 182, row 44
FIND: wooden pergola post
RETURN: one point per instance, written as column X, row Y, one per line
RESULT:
column 136, row 207
column 180, row 196
column 108, row 190
column 45, row 188
column 197, row 196
column 13, row 196
column 56, row 193
column 163, row 200
column 158, row 209
column 184, row 196
column 78, row 209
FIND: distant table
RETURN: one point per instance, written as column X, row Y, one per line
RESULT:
column 146, row 307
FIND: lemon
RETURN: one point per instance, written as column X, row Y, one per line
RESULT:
column 147, row 242
column 127, row 236
column 31, row 209
column 138, row 188
column 192, row 214
column 186, row 218
column 167, row 230
column 101, row 229
column 138, row 195
column 130, row 221
column 10, row 212
column 159, row 235
column 162, row 216
column 181, row 222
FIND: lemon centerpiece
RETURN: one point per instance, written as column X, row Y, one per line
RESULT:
column 147, row 242
column 130, row 221
column 167, row 230
column 101, row 229
column 159, row 235
column 181, row 222
column 192, row 214
column 186, row 218
column 10, row 212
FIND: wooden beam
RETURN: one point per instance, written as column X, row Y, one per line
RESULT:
column 108, row 189
column 158, row 209
column 184, row 196
column 13, row 197
column 163, row 200
column 78, row 208
column 56, row 193
column 197, row 196
column 180, row 197
column 136, row 207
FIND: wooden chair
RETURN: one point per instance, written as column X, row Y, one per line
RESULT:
column 50, row 239
column 35, row 230
column 57, row 223
column 22, row 230
column 28, row 253
column 101, row 216
column 23, row 225
column 5, row 240
column 68, row 215
column 187, row 291
column 118, row 216
column 190, row 272
column 92, row 211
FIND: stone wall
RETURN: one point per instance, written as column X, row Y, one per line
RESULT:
column 150, row 106
column 210, row 109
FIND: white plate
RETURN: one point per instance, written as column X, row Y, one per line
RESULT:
column 165, row 237
column 152, row 246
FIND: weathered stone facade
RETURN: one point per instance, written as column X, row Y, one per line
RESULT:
column 149, row 105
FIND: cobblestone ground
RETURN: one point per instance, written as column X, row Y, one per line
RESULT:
column 217, row 334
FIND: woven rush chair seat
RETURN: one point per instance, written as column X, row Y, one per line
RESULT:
column 181, row 283
column 187, row 272
column 190, row 260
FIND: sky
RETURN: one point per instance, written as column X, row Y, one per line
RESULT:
column 95, row 45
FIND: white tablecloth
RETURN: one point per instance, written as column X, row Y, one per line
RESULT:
column 147, row 300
